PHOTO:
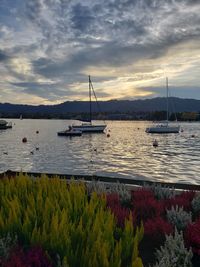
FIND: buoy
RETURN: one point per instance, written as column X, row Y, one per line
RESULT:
column 37, row 148
column 32, row 152
column 108, row 135
column 155, row 143
column 37, row 132
column 192, row 135
column 24, row 140
column 182, row 130
column 95, row 149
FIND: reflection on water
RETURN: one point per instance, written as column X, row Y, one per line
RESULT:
column 128, row 152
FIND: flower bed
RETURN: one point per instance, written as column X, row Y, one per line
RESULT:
column 47, row 222
column 164, row 213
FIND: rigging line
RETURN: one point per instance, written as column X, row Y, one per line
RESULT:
column 90, row 98
column 173, row 105
column 96, row 99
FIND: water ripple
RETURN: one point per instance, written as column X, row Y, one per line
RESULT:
column 127, row 153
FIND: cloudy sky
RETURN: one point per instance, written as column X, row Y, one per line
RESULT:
column 49, row 47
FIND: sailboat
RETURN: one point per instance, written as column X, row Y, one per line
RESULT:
column 164, row 127
column 89, row 126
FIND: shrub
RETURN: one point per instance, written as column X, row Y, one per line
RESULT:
column 174, row 253
column 161, row 191
column 192, row 236
column 6, row 245
column 157, row 228
column 141, row 194
column 179, row 218
column 122, row 190
column 147, row 209
column 121, row 213
column 196, row 203
column 112, row 200
column 33, row 257
column 116, row 188
column 63, row 220
column 145, row 206
column 184, row 200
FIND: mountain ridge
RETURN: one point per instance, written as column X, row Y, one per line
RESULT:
column 110, row 106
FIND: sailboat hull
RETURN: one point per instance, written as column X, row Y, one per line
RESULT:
column 90, row 128
column 163, row 129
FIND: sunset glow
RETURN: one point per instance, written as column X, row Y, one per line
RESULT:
column 48, row 49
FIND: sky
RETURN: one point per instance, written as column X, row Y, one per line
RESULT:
column 49, row 47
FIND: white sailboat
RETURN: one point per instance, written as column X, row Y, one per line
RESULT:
column 89, row 126
column 164, row 127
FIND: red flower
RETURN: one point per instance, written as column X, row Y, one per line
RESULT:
column 34, row 257
column 157, row 228
column 121, row 213
column 183, row 200
column 192, row 236
column 112, row 200
column 141, row 194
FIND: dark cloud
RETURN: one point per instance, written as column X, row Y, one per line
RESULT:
column 62, row 39
column 3, row 56
column 52, row 92
column 82, row 18
column 33, row 9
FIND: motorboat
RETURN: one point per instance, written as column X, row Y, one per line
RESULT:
column 90, row 128
column 5, row 125
column 70, row 132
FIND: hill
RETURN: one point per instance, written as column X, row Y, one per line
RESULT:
column 108, row 107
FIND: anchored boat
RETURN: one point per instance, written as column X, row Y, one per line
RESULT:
column 5, row 125
column 165, row 126
column 89, row 127
column 70, row 132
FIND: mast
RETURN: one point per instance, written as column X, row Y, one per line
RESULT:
column 90, row 98
column 167, row 99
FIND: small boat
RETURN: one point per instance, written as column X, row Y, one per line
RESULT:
column 5, row 125
column 89, row 127
column 70, row 132
column 164, row 127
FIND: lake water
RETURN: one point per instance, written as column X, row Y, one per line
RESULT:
column 128, row 152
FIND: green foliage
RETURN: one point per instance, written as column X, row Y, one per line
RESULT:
column 178, row 217
column 6, row 245
column 64, row 220
column 102, row 188
column 161, row 191
column 174, row 253
column 196, row 203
